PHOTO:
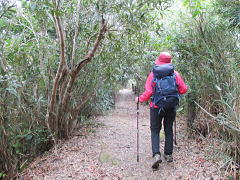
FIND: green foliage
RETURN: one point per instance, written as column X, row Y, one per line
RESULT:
column 2, row 175
column 208, row 55
column 196, row 7
column 206, row 49
column 204, row 44
column 30, row 58
column 230, row 10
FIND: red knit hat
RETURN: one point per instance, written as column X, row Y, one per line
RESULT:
column 163, row 58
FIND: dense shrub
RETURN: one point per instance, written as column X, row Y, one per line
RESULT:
column 207, row 53
column 43, row 93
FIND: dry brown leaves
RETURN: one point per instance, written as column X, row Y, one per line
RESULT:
column 110, row 152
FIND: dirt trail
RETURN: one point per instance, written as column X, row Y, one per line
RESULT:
column 110, row 152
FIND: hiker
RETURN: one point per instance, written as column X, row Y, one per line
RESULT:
column 163, row 104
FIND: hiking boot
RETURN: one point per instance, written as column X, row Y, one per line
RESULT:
column 156, row 161
column 168, row 158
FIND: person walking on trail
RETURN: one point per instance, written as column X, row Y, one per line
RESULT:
column 164, row 86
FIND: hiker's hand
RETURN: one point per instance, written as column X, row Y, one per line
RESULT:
column 136, row 100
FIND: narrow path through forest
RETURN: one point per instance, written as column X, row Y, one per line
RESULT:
column 110, row 151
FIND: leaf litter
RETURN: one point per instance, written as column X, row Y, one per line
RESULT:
column 109, row 152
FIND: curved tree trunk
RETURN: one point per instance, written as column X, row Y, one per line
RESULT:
column 57, row 117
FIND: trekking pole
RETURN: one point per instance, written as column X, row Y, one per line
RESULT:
column 175, row 133
column 138, row 127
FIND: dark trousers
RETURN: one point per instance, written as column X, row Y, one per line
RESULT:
column 156, row 116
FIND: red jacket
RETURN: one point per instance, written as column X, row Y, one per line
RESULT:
column 182, row 88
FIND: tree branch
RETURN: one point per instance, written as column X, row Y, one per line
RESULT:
column 77, row 109
column 95, row 47
column 6, row 10
column 3, row 63
column 227, row 125
column 62, row 41
column 75, row 35
column 89, row 40
column 62, row 65
column 81, row 64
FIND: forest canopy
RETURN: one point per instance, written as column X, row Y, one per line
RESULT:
column 62, row 62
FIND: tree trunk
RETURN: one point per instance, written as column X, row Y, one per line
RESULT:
column 191, row 110
column 59, row 110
